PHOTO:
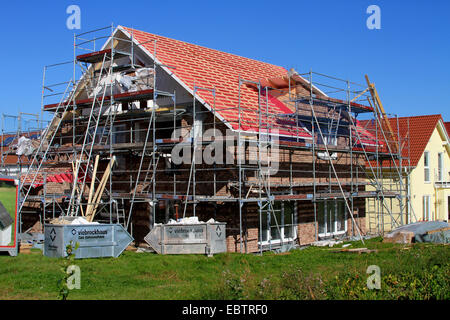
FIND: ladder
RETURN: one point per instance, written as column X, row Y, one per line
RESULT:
column 266, row 206
column 82, row 164
column 147, row 182
column 147, row 135
column 46, row 142
column 120, row 212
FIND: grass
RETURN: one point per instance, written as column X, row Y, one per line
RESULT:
column 418, row 272
column 8, row 198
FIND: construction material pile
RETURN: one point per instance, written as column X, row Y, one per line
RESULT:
column 190, row 220
column 431, row 231
column 71, row 221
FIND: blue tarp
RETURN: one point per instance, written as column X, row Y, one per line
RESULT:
column 7, row 141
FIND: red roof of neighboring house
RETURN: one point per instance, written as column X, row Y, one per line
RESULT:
column 415, row 132
column 213, row 69
column 12, row 159
column 57, row 178
column 447, row 127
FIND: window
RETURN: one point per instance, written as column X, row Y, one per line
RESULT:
column 101, row 135
column 426, row 165
column 331, row 216
column 426, row 208
column 440, row 175
column 329, row 139
column 279, row 225
column 329, row 136
column 119, row 134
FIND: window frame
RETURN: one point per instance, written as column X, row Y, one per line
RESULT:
column 426, row 167
column 268, row 228
column 426, row 204
column 440, row 168
column 338, row 203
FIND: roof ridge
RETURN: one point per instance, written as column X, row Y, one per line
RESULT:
column 419, row 116
column 197, row 45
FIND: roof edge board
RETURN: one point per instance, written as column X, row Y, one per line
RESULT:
column 443, row 129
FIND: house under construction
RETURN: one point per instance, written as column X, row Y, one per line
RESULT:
column 149, row 129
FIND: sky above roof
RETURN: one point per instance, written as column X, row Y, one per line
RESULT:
column 407, row 58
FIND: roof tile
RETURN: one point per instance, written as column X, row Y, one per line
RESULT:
column 211, row 68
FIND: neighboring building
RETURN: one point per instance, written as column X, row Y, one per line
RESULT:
column 447, row 126
column 426, row 173
column 10, row 163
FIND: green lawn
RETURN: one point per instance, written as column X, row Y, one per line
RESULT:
column 8, row 198
column 419, row 272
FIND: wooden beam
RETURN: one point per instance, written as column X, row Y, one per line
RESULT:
column 359, row 95
column 377, row 102
column 99, row 192
column 91, row 189
column 77, row 189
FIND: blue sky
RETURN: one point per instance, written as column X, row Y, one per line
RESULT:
column 408, row 59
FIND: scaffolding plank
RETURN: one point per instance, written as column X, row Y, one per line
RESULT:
column 120, row 97
column 97, row 56
column 93, row 57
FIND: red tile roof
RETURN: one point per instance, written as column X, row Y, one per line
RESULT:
column 447, row 127
column 207, row 68
column 12, row 159
column 415, row 132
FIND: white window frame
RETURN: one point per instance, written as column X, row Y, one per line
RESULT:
column 426, row 167
column 329, row 138
column 440, row 169
column 325, row 213
column 426, row 207
column 281, row 226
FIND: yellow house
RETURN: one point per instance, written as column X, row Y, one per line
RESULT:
column 425, row 172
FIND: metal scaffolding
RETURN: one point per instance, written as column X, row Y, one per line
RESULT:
column 118, row 148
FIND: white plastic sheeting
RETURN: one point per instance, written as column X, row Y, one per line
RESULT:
column 25, row 147
column 143, row 79
column 121, row 83
column 117, row 83
column 81, row 220
column 190, row 220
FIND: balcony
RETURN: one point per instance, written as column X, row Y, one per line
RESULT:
column 439, row 179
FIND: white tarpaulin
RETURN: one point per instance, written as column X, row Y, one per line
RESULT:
column 121, row 83
column 190, row 220
column 25, row 147
column 81, row 220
